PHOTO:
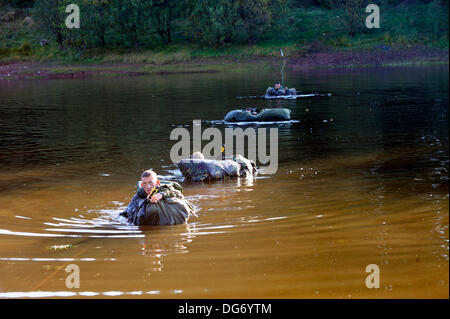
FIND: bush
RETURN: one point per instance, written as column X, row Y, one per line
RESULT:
column 342, row 41
column 5, row 52
column 25, row 49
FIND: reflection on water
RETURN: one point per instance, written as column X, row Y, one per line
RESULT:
column 362, row 179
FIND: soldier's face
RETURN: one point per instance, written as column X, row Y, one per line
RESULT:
column 148, row 183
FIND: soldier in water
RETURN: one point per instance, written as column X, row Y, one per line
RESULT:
column 157, row 204
column 280, row 90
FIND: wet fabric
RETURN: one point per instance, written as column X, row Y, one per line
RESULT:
column 281, row 91
column 247, row 167
column 170, row 210
column 205, row 169
column 266, row 115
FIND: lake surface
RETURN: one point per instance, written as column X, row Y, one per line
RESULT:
column 362, row 179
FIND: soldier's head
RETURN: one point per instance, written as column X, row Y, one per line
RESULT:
column 198, row 155
column 277, row 85
column 149, row 180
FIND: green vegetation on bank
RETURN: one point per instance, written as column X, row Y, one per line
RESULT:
column 158, row 32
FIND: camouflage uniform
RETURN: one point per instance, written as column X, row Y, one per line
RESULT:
column 281, row 91
column 171, row 209
column 265, row 115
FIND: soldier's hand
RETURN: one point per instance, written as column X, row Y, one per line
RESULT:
column 155, row 198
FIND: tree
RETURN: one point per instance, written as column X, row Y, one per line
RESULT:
column 17, row 3
column 353, row 10
column 97, row 17
column 329, row 4
column 130, row 17
column 51, row 15
column 213, row 21
column 281, row 20
column 255, row 15
column 224, row 20
column 162, row 14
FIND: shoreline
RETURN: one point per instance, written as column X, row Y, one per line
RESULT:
column 312, row 59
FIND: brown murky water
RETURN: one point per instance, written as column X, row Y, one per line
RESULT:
column 362, row 179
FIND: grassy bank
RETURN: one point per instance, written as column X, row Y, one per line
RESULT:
column 410, row 32
column 307, row 60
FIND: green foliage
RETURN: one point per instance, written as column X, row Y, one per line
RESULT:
column 342, row 41
column 25, row 49
column 237, row 21
column 329, row 4
column 51, row 16
column 128, row 19
column 255, row 16
column 213, row 21
column 282, row 23
column 163, row 31
column 353, row 12
column 96, row 20
column 17, row 3
column 162, row 14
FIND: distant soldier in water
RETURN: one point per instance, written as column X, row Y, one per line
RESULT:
column 279, row 90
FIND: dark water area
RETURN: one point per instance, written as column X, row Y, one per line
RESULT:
column 362, row 179
column 126, row 119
